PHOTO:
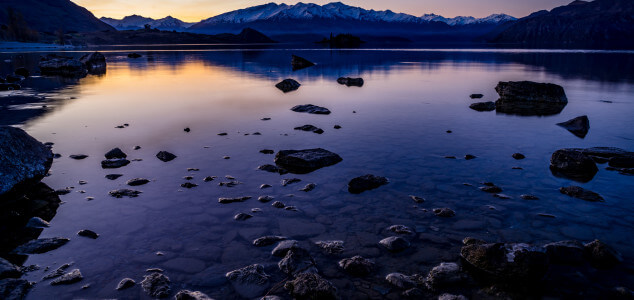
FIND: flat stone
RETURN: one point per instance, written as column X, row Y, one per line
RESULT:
column 306, row 161
column 444, row 212
column 483, row 106
column 366, row 182
column 349, row 81
column 78, row 156
column 8, row 270
column 400, row 229
column 331, row 247
column 113, row 176
column 14, row 289
column 232, row 200
column 68, row 278
column 444, row 275
column 88, row 233
column 114, row 163
column 137, row 181
column 296, row 261
column 602, row 256
column 268, row 240
column 310, row 128
column 191, row 295
column 288, row 181
column 41, row 245
column 311, row 286
column 311, row 109
column 283, row 247
column 565, row 252
column 265, row 199
column 402, row 281
column 581, row 193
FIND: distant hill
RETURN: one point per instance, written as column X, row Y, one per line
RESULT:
column 138, row 22
column 48, row 16
column 597, row 24
column 155, row 36
column 312, row 19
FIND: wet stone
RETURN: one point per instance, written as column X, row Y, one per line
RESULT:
column 402, row 281
column 578, row 126
column 88, row 233
column 272, row 169
column 309, row 187
column 447, row 296
column 191, row 295
column 137, row 181
column 502, row 196
column 311, row 286
column 476, row 96
column 309, row 127
column 278, row 204
column 444, row 275
column 306, row 161
column 250, row 281
column 8, row 270
column 41, row 245
column 331, row 247
column 565, row 252
column 113, row 176
column 581, row 193
column 268, row 240
column 68, row 278
column 394, row 243
column 297, row 260
column 483, row 106
column 265, row 186
column 288, row 181
column 444, row 212
column 156, row 285
column 37, row 222
column 529, row 197
column 165, row 156
column 242, row 217
column 125, row 283
column 188, row 185
column 400, row 229
column 470, row 157
column 58, row 272
column 311, row 109
column 232, row 200
column 14, row 289
column 417, row 199
column 491, row 189
column 337, row 127
column 573, row 164
column 357, row 266
column 114, row 163
column 209, row 178
column 288, row 85
column 366, row 182
column 265, row 199
column 601, row 255
column 115, row 153
column 124, row 193
column 349, row 81
column 518, row 156
column 267, row 151
column 78, row 156
column 283, row 247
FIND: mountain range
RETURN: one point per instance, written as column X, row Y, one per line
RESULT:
column 134, row 22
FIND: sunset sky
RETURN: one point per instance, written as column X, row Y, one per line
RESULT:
column 196, row 10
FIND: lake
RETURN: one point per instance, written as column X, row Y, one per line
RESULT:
column 396, row 126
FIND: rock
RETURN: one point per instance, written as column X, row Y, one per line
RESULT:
column 288, row 181
column 357, row 266
column 311, row 109
column 337, row 127
column 137, row 181
column 22, row 72
column 308, row 286
column 282, row 247
column 242, row 217
column 62, row 66
column 114, row 163
column 250, row 281
column 623, row 161
column 506, row 262
column 37, row 222
column 581, row 193
column 41, row 245
column 348, row 81
column 115, row 153
column 518, row 156
column 331, row 247
column 265, row 199
column 288, row 85
column 165, row 156
column 413, row 293
column 88, row 233
column 134, row 55
column 296, row 261
column 231, row 183
column 209, row 178
column 444, row 212
column 267, row 151
column 395, row 243
column 278, row 204
column 156, row 285
column 271, row 298
column 265, row 186
column 310, row 128
column 58, row 272
column 300, row 63
column 25, row 161
column 444, row 275
column 268, row 240
column 502, row 196
column 113, row 176
column 306, row 161
column 400, row 229
column 402, row 281
column 530, row 98
column 272, row 169
column 125, row 283
column 578, row 126
column 68, row 278
column 95, row 62
column 447, row 296
column 565, row 252
column 529, row 197
column 232, row 200
column 472, row 241
column 491, row 189
column 187, row 129
column 470, row 157
column 602, row 256
column 14, row 289
column 365, row 183
column 483, row 106
column 124, row 193
column 78, row 156
column 8, row 270
column 476, row 96
column 417, row 199
column 189, row 295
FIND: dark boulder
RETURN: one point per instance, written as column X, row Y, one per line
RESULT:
column 14, row 289
column 88, row 233
column 306, row 161
column 476, row 96
column 581, row 193
column 348, row 81
column 114, row 163
column 573, row 164
column 68, row 278
column 483, row 106
column 357, row 266
column 394, row 243
column 165, row 156
column 191, row 295
column 288, row 85
column 24, row 72
column 41, row 245
column 299, row 63
column 134, row 55
column 366, row 182
column 115, row 153
column 296, row 261
column 310, row 286
column 622, row 161
column 518, row 156
column 530, row 98
column 602, row 256
column 444, row 212
column 156, row 285
column 62, row 66
column 25, row 161
column 578, row 126
column 310, row 128
column 506, row 262
column 95, row 62
column 311, row 109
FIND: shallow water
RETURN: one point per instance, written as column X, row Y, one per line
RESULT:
column 394, row 126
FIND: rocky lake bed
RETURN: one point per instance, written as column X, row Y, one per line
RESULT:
column 316, row 174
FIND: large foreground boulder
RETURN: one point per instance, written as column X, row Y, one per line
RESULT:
column 530, row 98
column 573, row 164
column 306, row 161
column 25, row 161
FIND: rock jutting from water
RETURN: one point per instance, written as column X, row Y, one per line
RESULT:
column 578, row 126
column 288, row 85
column 95, row 62
column 306, row 161
column 124, row 193
column 114, row 163
column 41, row 245
column 165, row 156
column 232, row 200
column 581, row 193
column 331, row 247
column 349, row 81
column 446, row 274
column 395, row 243
column 296, row 261
column 309, row 127
column 299, row 63
column 483, row 106
column 476, row 96
column 8, row 270
column 115, row 153
column 530, row 98
column 250, row 281
column 268, row 240
column 311, row 109
column 56, row 65
column 573, row 164
column 191, row 295
column 137, row 181
column 125, row 283
column 311, row 286
column 68, row 278
column 88, row 233
column 357, row 266
column 365, row 183
column 156, row 285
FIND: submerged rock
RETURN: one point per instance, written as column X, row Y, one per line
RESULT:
column 476, row 96
column 78, row 156
column 41, row 245
column 400, row 229
column 357, row 266
column 348, row 81
column 165, row 156
column 506, row 262
column 365, row 183
column 250, row 281
column 483, row 106
column 530, row 98
column 296, row 261
column 190, row 295
column 309, row 127
column 114, row 163
column 268, row 240
column 602, row 256
column 311, row 109
column 395, row 243
column 267, row 151
column 306, row 161
column 113, row 176
column 134, row 55
column 308, row 187
column 124, row 193
column 444, row 212
column 125, row 283
column 156, row 285
column 300, row 63
column 265, row 199
column 58, row 272
column 518, row 156
column 573, row 164
column 288, row 85
column 307, row 286
column 272, row 169
column 578, row 126
column 331, row 247
column 68, row 278
column 581, row 193
column 283, row 247
column 25, row 161
column 288, row 181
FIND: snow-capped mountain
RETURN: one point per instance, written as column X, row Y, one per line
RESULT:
column 462, row 20
column 137, row 22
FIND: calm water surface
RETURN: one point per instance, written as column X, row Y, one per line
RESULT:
column 394, row 126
